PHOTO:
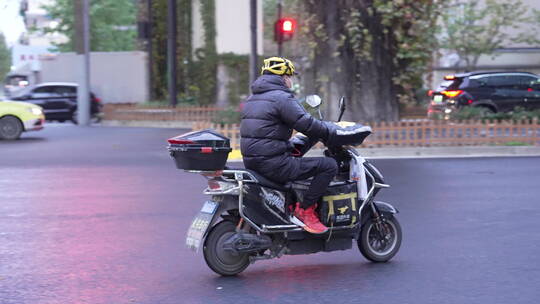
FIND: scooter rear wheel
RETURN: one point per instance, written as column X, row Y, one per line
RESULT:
column 380, row 244
column 219, row 260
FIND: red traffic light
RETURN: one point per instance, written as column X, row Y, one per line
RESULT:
column 287, row 26
column 284, row 29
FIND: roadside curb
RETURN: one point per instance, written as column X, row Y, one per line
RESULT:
column 443, row 152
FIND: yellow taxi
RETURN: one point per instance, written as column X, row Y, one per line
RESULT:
column 17, row 117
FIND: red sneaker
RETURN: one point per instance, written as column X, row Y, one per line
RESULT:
column 309, row 219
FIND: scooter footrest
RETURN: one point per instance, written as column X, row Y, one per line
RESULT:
column 281, row 227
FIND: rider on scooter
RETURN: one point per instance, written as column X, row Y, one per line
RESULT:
column 268, row 117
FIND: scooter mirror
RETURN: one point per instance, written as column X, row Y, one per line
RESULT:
column 341, row 107
column 313, row 100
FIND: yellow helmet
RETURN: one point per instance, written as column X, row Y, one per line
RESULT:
column 278, row 66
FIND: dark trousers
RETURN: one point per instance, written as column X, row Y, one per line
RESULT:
column 323, row 170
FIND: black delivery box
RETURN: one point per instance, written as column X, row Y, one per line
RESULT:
column 204, row 150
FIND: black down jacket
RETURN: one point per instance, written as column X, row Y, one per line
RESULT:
column 268, row 119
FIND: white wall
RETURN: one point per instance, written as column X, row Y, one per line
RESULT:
column 115, row 77
column 232, row 26
column 28, row 54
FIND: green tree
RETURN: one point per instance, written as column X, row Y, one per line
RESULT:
column 112, row 24
column 472, row 29
column 375, row 52
column 186, row 81
column 5, row 57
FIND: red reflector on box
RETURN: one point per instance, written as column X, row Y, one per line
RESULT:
column 206, row 150
column 174, row 141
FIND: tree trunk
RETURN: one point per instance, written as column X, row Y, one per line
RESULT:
column 340, row 71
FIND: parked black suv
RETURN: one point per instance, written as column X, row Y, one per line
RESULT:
column 490, row 91
column 59, row 101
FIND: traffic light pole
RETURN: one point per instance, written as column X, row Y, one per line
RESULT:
column 82, row 48
column 279, row 15
column 253, row 57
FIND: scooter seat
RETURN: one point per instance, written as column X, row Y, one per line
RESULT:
column 269, row 183
column 263, row 181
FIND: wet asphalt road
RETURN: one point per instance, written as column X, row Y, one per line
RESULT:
column 99, row 215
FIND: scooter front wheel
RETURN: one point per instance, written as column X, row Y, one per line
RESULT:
column 380, row 242
column 223, row 262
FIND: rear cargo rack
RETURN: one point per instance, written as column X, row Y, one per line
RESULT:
column 229, row 175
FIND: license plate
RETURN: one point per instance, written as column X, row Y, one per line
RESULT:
column 200, row 224
column 437, row 98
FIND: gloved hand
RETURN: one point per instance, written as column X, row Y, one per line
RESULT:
column 300, row 144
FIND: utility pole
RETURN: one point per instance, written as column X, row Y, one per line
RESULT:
column 171, row 51
column 279, row 15
column 82, row 48
column 253, row 68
